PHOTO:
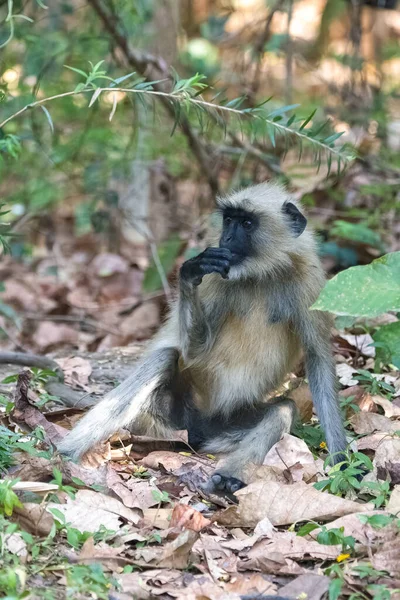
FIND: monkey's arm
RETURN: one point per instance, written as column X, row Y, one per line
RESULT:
column 314, row 331
column 196, row 331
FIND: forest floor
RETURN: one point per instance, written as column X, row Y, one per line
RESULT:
column 132, row 521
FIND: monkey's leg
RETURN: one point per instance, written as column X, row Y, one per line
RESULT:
column 143, row 402
column 247, row 438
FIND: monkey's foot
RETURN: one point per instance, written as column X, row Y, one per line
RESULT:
column 223, row 484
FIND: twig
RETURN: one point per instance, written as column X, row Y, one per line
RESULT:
column 30, row 360
column 141, row 62
column 195, row 101
column 289, row 54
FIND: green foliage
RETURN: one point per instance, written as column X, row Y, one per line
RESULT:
column 380, row 490
column 8, row 498
column 374, row 385
column 329, row 537
column 343, row 477
column 376, row 521
column 387, row 344
column 365, row 291
column 89, row 581
column 167, row 252
column 357, row 232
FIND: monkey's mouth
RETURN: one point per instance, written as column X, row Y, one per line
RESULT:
column 236, row 259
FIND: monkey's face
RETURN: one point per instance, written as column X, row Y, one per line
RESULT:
column 264, row 230
column 238, row 231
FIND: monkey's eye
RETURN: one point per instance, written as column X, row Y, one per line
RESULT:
column 227, row 220
column 247, row 224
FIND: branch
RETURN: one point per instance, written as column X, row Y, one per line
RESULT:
column 143, row 63
column 213, row 111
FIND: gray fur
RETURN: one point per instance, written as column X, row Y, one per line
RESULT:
column 236, row 339
column 113, row 412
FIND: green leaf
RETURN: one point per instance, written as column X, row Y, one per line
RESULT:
column 335, row 587
column 357, row 232
column 307, row 528
column 48, row 117
column 388, row 344
column 167, row 252
column 376, row 521
column 365, row 291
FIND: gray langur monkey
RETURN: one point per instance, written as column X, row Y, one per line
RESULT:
column 238, row 327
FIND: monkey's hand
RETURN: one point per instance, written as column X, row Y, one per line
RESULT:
column 212, row 260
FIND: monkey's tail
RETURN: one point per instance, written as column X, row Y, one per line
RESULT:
column 123, row 405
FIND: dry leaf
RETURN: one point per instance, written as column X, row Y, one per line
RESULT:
column 390, row 409
column 33, row 518
column 50, row 335
column 101, row 552
column 251, row 584
column 361, row 342
column 367, row 422
column 303, row 400
column 291, row 452
column 158, row 517
column 346, row 374
column 171, row 461
column 33, row 486
column 77, row 370
column 287, row 504
column 15, row 544
column 309, row 585
column 388, row 557
column 186, row 517
column 387, row 459
column 174, row 555
column 90, row 510
column 393, row 505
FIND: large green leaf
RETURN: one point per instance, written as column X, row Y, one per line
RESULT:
column 365, row 291
column 387, row 340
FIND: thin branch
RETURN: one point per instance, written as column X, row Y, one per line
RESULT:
column 143, row 62
column 180, row 97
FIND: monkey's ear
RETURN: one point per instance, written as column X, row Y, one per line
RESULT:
column 297, row 220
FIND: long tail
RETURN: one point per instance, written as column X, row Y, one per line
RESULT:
column 123, row 405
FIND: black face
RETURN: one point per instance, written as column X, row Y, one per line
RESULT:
column 237, row 233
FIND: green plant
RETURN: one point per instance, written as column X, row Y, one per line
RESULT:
column 329, row 537
column 8, row 498
column 344, row 476
column 89, row 581
column 380, row 490
column 68, row 489
column 374, row 385
column 375, row 287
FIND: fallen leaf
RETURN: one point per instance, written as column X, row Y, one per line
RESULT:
column 186, row 517
column 251, row 584
column 372, row 441
column 142, row 322
column 393, row 505
column 361, row 342
column 390, row 409
column 388, row 557
column 171, row 461
column 309, row 585
column 36, row 487
column 352, row 525
column 367, row 422
column 77, row 370
column 101, row 553
column 33, row 518
column 345, row 374
column 51, row 335
column 90, row 510
column 158, row 517
column 287, row 504
column 303, row 400
column 107, row 264
column 387, row 460
column 174, row 555
column 290, row 452
column 15, row 544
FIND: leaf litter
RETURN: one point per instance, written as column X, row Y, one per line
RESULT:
column 136, row 507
